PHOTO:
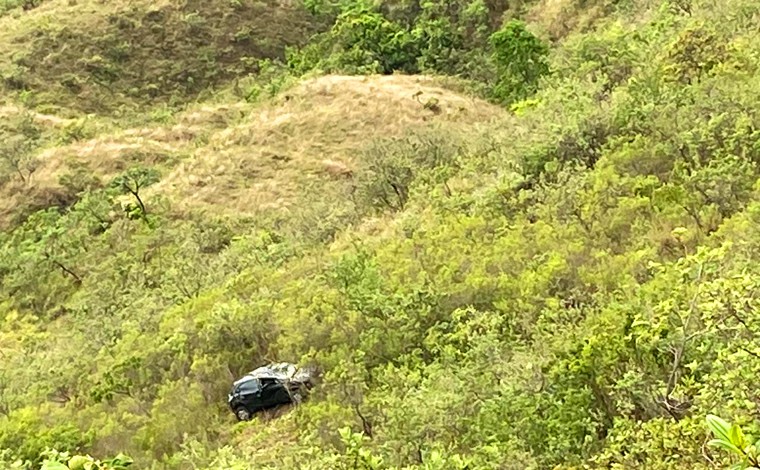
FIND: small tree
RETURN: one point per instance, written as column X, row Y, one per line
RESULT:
column 360, row 41
column 520, row 58
column 389, row 169
column 18, row 140
column 135, row 180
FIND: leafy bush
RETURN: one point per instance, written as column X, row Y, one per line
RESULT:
column 55, row 460
column 521, row 61
column 360, row 41
column 390, row 169
column 389, row 37
column 731, row 438
column 8, row 5
column 19, row 138
column 28, row 435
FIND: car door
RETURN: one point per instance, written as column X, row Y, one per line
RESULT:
column 272, row 392
column 250, row 394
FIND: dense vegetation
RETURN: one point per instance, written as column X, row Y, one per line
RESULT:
column 558, row 270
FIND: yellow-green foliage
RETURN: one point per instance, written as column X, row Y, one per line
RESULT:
column 572, row 284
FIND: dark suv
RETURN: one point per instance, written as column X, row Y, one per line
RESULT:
column 267, row 387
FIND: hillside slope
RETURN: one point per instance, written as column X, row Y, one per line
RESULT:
column 111, row 57
column 239, row 158
column 311, row 132
column 566, row 279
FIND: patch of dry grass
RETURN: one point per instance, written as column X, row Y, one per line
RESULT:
column 244, row 159
column 312, row 132
column 50, row 120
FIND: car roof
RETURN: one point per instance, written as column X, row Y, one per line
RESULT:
column 282, row 370
column 278, row 371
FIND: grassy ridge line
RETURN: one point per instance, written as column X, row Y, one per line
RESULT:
column 242, row 158
column 310, row 133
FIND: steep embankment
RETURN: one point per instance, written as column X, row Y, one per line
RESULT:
column 240, row 187
column 568, row 282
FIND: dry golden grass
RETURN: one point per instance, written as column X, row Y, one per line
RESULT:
column 309, row 133
column 110, row 154
column 243, row 159
column 104, row 156
column 7, row 111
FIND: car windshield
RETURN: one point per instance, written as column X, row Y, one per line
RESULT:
column 247, row 385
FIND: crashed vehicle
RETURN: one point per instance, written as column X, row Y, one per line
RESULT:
column 268, row 387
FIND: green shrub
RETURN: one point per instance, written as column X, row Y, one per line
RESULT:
column 390, row 169
column 360, row 41
column 694, row 53
column 8, row 5
column 20, row 136
column 431, row 37
column 28, row 434
column 521, row 61
column 55, row 460
column 730, row 437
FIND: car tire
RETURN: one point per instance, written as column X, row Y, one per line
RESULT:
column 242, row 414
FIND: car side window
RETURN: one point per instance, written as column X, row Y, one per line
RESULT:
column 251, row 386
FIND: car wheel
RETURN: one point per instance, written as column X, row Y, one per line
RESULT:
column 242, row 414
